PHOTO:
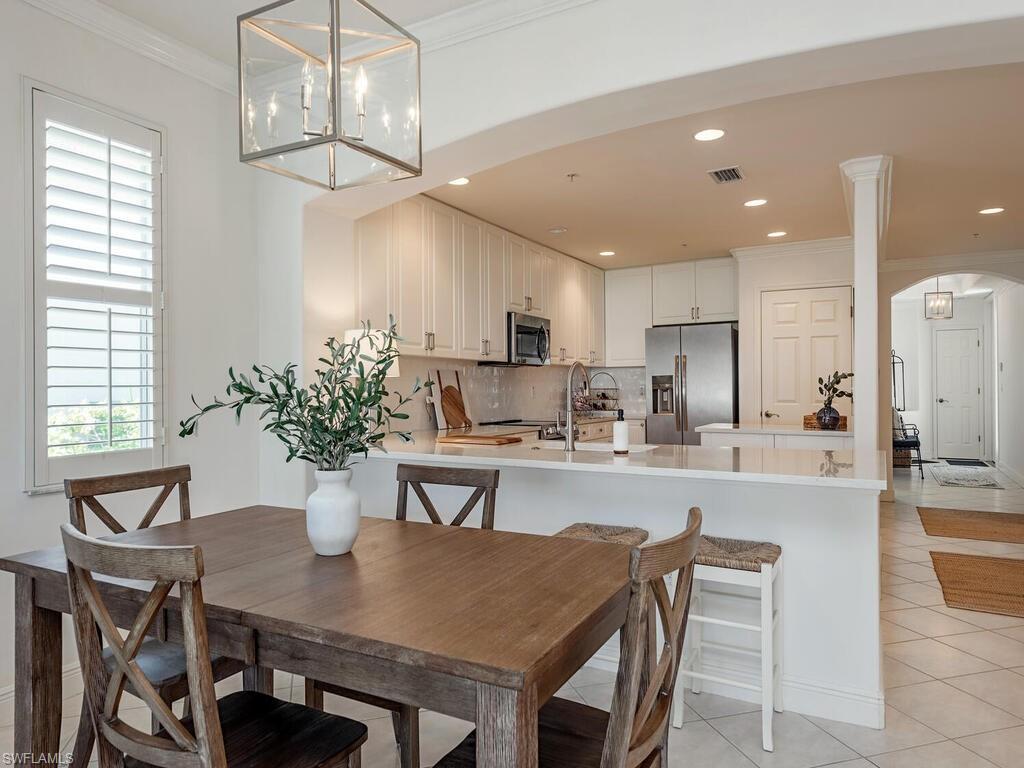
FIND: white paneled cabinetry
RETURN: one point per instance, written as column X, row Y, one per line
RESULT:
column 449, row 281
column 694, row 292
column 629, row 314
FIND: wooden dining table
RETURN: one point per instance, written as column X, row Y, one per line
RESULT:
column 481, row 625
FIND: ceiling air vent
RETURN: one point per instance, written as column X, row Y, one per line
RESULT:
column 726, row 175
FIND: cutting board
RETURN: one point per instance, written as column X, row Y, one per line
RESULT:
column 449, row 405
column 480, row 439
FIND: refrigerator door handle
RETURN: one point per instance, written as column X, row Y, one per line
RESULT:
column 682, row 393
column 675, row 395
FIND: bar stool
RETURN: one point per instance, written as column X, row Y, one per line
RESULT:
column 616, row 534
column 749, row 564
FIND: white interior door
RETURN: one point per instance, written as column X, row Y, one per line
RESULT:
column 957, row 394
column 805, row 334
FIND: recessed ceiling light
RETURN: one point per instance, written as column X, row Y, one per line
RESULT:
column 459, row 182
column 606, row 253
column 988, row 211
column 755, row 203
column 709, row 134
column 777, row 234
column 558, row 230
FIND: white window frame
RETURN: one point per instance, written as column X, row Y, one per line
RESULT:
column 42, row 473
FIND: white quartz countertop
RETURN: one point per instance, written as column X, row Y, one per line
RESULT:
column 758, row 429
column 836, row 469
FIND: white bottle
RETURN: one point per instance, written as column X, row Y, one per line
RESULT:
column 620, row 436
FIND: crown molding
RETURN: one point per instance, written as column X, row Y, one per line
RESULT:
column 823, row 247
column 144, row 40
column 482, row 18
column 479, row 19
column 965, row 262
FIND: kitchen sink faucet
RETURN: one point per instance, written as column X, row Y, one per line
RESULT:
column 570, row 425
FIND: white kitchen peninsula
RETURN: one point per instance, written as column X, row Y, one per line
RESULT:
column 773, row 436
column 820, row 506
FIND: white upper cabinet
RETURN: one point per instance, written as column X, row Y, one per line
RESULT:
column 629, row 312
column 526, row 277
column 443, row 276
column 536, row 295
column 495, row 328
column 565, row 325
column 694, row 292
column 409, row 262
column 674, row 293
column 715, row 281
column 596, row 318
column 449, row 280
column 518, row 281
column 373, row 248
column 472, row 288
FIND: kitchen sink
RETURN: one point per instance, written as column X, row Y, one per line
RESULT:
column 559, row 445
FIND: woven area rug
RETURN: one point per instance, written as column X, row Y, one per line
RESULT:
column 980, row 583
column 964, row 477
column 971, row 524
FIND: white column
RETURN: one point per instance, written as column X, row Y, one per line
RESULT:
column 867, row 198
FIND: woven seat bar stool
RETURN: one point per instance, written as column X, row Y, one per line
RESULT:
column 749, row 564
column 616, row 534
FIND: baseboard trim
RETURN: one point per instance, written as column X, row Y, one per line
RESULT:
column 857, row 706
column 1010, row 472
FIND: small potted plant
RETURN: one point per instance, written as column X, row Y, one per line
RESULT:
column 828, row 417
column 344, row 412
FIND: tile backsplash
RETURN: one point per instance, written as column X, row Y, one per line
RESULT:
column 492, row 393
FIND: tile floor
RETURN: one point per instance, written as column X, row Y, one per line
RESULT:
column 954, row 679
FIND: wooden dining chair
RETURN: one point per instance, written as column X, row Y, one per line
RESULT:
column 484, row 483
column 243, row 730
column 163, row 662
column 634, row 734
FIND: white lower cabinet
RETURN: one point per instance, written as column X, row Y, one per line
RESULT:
column 815, row 441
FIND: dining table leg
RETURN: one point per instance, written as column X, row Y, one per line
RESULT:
column 37, row 674
column 506, row 727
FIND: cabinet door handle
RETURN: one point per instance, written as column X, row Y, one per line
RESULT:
column 433, row 341
column 529, row 303
column 698, row 313
column 693, row 316
column 483, row 347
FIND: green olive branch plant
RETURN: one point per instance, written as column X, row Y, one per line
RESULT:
column 341, row 415
column 829, row 388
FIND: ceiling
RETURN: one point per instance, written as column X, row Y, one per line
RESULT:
column 962, row 286
column 209, row 25
column 955, row 138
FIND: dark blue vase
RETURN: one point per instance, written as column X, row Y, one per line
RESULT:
column 827, row 418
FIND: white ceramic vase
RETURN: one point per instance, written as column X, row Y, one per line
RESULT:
column 332, row 513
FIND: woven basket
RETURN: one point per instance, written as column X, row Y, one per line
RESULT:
column 811, row 423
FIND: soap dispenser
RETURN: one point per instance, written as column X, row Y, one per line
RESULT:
column 620, row 436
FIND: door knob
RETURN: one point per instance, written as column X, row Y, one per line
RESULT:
column 769, row 414
column 941, row 400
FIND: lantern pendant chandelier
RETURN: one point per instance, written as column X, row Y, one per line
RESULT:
column 938, row 305
column 329, row 93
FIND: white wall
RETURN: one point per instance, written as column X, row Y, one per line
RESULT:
column 1009, row 311
column 913, row 338
column 211, row 287
column 810, row 264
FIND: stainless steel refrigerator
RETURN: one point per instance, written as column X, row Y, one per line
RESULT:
column 692, row 380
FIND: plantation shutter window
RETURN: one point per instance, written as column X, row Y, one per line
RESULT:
column 97, row 292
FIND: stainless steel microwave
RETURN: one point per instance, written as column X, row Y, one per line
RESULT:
column 529, row 340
